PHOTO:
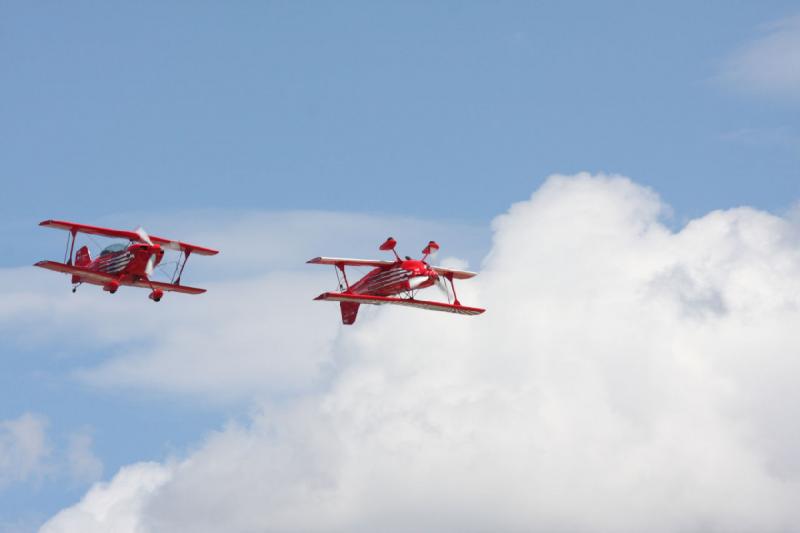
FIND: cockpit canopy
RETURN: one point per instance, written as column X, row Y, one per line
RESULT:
column 113, row 248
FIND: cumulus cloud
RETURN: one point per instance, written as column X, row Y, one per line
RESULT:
column 23, row 448
column 624, row 378
column 84, row 466
column 116, row 506
column 770, row 64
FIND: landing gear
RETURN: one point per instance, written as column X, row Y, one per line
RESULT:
column 156, row 295
column 111, row 287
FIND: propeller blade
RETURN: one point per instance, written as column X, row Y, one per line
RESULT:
column 151, row 263
column 442, row 286
column 143, row 235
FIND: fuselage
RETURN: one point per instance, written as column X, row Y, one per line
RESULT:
column 128, row 264
column 400, row 277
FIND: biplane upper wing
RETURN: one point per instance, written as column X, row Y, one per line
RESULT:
column 92, row 275
column 125, row 234
column 171, row 287
column 378, row 300
column 92, row 230
column 457, row 274
column 348, row 262
column 182, row 246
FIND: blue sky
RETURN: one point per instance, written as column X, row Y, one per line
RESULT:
column 460, row 106
column 445, row 111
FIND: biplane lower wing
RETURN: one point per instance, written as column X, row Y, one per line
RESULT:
column 101, row 278
column 170, row 287
column 342, row 261
column 379, row 300
column 83, row 273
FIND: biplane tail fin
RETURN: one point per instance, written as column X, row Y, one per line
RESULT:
column 349, row 312
column 82, row 257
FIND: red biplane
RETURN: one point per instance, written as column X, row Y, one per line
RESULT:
column 119, row 264
column 393, row 282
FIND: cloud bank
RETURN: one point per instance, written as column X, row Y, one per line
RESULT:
column 625, row 378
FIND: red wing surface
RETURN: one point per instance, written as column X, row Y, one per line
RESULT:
column 92, row 230
column 171, row 287
column 102, row 278
column 130, row 235
column 457, row 274
column 379, row 300
column 348, row 262
column 85, row 273
column 179, row 246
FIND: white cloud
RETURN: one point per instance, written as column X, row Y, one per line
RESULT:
column 115, row 506
column 624, row 378
column 84, row 466
column 770, row 64
column 23, row 448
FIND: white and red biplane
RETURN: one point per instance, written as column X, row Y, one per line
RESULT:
column 393, row 282
column 123, row 264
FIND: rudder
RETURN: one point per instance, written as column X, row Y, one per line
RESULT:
column 349, row 312
column 83, row 257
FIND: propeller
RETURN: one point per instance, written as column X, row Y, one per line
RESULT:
column 143, row 236
column 151, row 261
column 442, row 286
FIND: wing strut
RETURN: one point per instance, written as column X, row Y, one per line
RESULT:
column 449, row 276
column 70, row 245
column 185, row 254
column 340, row 266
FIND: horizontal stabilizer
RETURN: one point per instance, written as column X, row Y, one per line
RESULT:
column 84, row 273
column 379, row 300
